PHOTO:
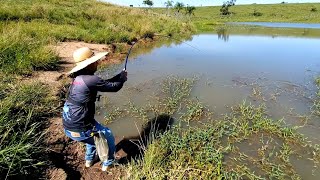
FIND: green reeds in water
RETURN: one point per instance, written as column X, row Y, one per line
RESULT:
column 243, row 144
column 213, row 151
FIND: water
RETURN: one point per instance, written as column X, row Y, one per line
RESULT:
column 250, row 64
column 280, row 25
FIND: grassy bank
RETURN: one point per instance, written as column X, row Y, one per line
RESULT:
column 28, row 29
column 27, row 26
column 206, row 18
column 23, row 110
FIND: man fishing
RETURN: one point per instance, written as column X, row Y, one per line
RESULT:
column 79, row 109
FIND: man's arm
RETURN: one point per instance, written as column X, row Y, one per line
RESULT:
column 111, row 85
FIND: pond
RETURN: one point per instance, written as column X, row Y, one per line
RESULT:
column 270, row 66
column 280, row 25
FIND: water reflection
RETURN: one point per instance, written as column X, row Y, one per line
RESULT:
column 280, row 25
column 225, row 31
column 223, row 34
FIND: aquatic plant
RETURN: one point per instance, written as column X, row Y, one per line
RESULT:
column 175, row 90
column 214, row 151
column 242, row 144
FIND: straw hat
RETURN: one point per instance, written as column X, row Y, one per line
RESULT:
column 83, row 57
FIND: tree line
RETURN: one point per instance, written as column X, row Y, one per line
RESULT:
column 178, row 6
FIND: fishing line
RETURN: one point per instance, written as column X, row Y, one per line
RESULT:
column 144, row 37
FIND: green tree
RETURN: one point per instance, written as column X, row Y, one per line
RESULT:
column 179, row 6
column 168, row 5
column 190, row 10
column 224, row 10
column 148, row 3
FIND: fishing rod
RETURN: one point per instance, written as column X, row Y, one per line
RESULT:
column 144, row 37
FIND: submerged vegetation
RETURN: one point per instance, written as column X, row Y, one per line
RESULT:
column 243, row 144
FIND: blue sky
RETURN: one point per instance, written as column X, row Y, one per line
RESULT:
column 158, row 3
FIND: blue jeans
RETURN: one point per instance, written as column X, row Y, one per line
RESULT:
column 90, row 146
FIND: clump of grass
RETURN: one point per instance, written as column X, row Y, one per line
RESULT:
column 195, row 111
column 112, row 114
column 175, row 90
column 138, row 112
column 21, row 117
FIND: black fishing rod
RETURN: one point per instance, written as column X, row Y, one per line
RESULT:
column 125, row 65
column 144, row 37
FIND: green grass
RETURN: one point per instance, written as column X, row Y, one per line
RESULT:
column 23, row 108
column 207, row 18
column 22, row 54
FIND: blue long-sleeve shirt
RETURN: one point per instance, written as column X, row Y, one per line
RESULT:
column 79, row 109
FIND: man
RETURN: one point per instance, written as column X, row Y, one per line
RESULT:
column 79, row 108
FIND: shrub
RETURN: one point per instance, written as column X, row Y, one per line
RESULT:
column 256, row 13
column 313, row 9
column 224, row 10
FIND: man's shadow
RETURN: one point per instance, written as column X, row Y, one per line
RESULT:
column 134, row 146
